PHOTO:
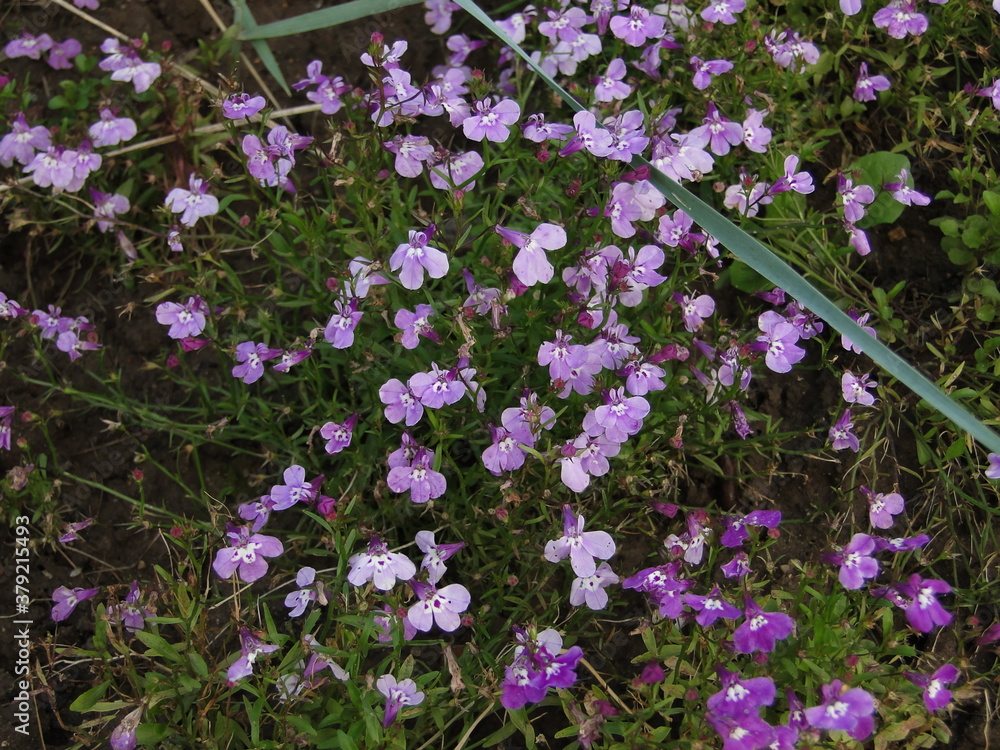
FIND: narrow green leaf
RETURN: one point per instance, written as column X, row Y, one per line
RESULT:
column 159, row 646
column 765, row 262
column 86, row 701
column 321, row 19
column 244, row 20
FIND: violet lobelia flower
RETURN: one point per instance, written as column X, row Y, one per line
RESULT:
column 295, row 488
column 610, row 87
column 739, row 696
column 905, row 194
column 704, row 70
column 866, row 85
column 438, row 387
column 111, row 130
column 585, row 457
column 339, row 329
column 416, row 256
column 309, row 591
column 246, row 555
column 923, row 611
column 881, row 508
column 778, row 341
column 435, row 555
column 123, row 736
column 711, row 608
column 854, row 197
column 443, row 607
column 239, row 106
column 855, row 561
column 848, row 709
column 505, row 453
column 761, row 630
column 538, row 665
column 106, row 207
column 531, row 265
column 936, row 695
column 993, row 466
column 21, row 143
column 400, row 403
column 662, row 587
column 129, row 612
column 251, row 647
column 491, row 121
column 855, row 388
column 184, row 320
column 66, row 600
column 338, row 436
column 194, row 203
column 842, row 434
column 380, row 566
column 422, row 481
column 618, row 418
column 580, row 546
column 638, row 26
column 397, row 695
column 589, row 590
column 250, row 358
column 411, row 152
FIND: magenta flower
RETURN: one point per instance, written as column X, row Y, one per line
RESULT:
column 580, row 546
column 663, row 588
column 443, row 606
column 184, row 320
column 338, row 436
column 738, row 567
column 847, row 709
column 923, row 611
column 711, row 608
column 423, row 482
column 736, row 532
column 251, row 647
column 400, row 403
column 589, row 590
column 936, row 695
column 397, row 695
column 415, row 257
column 70, row 529
column 380, row 566
column 66, row 600
column 251, row 358
column 194, row 203
column 866, row 86
column 760, row 630
column 491, row 121
column 855, row 561
column 239, row 106
column 842, row 435
column 881, row 508
column 247, row 554
column 538, row 665
column 435, row 555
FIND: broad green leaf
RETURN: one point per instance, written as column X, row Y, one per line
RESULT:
column 768, row 264
column 321, row 19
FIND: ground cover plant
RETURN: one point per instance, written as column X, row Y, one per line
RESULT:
column 433, row 423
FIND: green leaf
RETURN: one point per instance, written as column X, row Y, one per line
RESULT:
column 150, row 734
column 86, row 701
column 769, row 265
column 992, row 201
column 159, row 646
column 746, row 279
column 322, row 19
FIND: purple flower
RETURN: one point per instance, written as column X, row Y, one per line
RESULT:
column 936, row 695
column 704, row 70
column 717, row 132
column 419, row 478
column 122, row 736
column 28, row 45
column 297, row 601
column 529, row 416
column 738, row 567
column 663, row 588
column 251, row 647
column 561, row 356
column 411, row 151
column 66, row 600
column 414, row 324
column 610, row 87
column 866, row 86
column 711, row 608
column 380, row 566
column 295, row 488
column 618, row 418
column 901, row 544
column 586, row 457
column 397, row 695
column 443, row 606
column 505, row 453
column 258, row 511
column 855, row 388
column 400, row 402
column 694, row 310
column 598, row 141
column 251, row 358
column 129, row 613
column 22, row 141
column 435, row 555
column 736, row 533
column 589, row 590
column 51, row 168
column 746, row 732
column 993, row 468
column 531, row 265
column 238, row 106
column 755, row 135
column 800, row 182
column 739, row 697
column 438, row 387
column 184, row 320
column 194, row 203
column 992, row 92
column 760, row 630
column 106, row 207
column 70, row 529
column 847, row 709
column 338, row 436
column 842, row 435
column 415, row 257
column 538, row 665
column 491, row 121
column 778, row 341
column 721, row 11
column 861, row 320
column 291, row 358
column 111, row 130
column 923, row 611
column 855, row 561
column 638, row 26
column 455, row 171
column 900, row 18
column 339, row 329
column 247, row 553
column 905, row 194
column 854, row 198
column 580, row 546
column 881, row 508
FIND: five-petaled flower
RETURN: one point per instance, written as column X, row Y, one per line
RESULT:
column 247, row 554
column 397, row 695
column 194, row 203
column 580, row 546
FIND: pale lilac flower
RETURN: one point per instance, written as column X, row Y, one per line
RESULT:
column 338, row 436
column 380, row 566
column 579, row 545
column 531, row 265
column 66, row 600
column 618, row 418
column 21, row 143
column 251, row 647
column 881, row 508
column 129, row 612
column 111, row 130
column 905, row 194
column 641, row 377
column 993, row 467
column 787, row 47
column 598, row 141
column 842, row 435
column 505, row 453
column 992, row 92
column 184, row 320
column 563, row 25
column 61, row 54
column 721, row 11
column 291, row 358
column 455, row 171
column 415, row 257
column 297, row 601
column 258, row 512
column 461, row 46
column 194, row 203
column 717, row 132
column 900, row 18
column 850, row 7
column 629, row 139
column 923, row 611
column 747, row 196
column 435, row 555
column 800, row 182
column 855, row 388
column 250, row 358
column 694, row 310
column 760, row 630
column 400, row 403
column 755, row 135
column 936, row 695
column 705, row 69
column 247, row 554
column 589, row 590
column 239, row 106
column 850, row 710
column 106, row 207
column 295, row 488
column 862, row 321
column 639, row 26
column 630, row 202
column 866, row 86
column 397, row 695
column 411, row 151
column 535, row 129
column 28, row 45
column 442, row 607
column 423, row 482
column 491, row 121
column 586, row 457
column 52, row 168
column 70, row 529
column 414, row 324
column 438, row 387
column 339, row 329
column 327, row 96
column 711, row 608
column 746, row 732
column 125, row 65
column 778, row 341
column 610, row 87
